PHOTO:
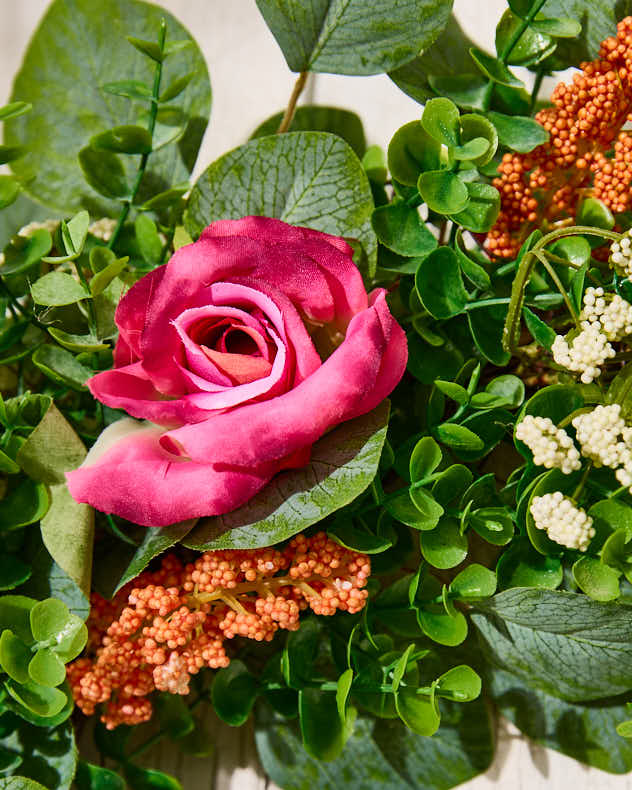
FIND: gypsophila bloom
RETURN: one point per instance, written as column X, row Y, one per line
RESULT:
column 551, row 446
column 103, row 228
column 50, row 225
column 585, row 354
column 612, row 315
column 621, row 255
column 562, row 520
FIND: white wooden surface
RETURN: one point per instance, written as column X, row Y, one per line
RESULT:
column 251, row 81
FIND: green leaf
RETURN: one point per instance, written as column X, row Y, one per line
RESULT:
column 475, row 581
column 411, row 152
column 587, row 733
column 443, row 192
column 355, row 38
column 104, row 172
column 422, row 78
column 25, row 504
column 454, row 391
column 558, row 28
column 518, row 132
column 10, row 188
column 61, row 366
column 233, row 693
column 13, row 572
column 400, row 228
column 154, row 543
column 383, row 753
column 494, row 68
column 476, row 127
column 49, row 756
column 358, row 539
column 170, row 198
column 123, row 140
column 541, row 332
column 20, row 258
column 75, row 231
column 48, row 619
column 94, row 777
column 10, row 152
column 439, row 283
column 15, row 615
column 440, row 119
column 14, row 109
column 46, row 668
column 424, row 459
column 509, row 388
column 174, row 715
column 597, row 580
column 103, row 278
column 63, row 125
column 531, row 47
column 342, row 465
column 76, row 343
column 148, row 239
column 493, row 524
column 482, row 209
column 319, row 182
column 300, row 653
column 423, row 513
column 176, row 87
column 313, row 118
column 14, row 657
column 593, row 212
column 342, row 693
column 459, row 683
column 149, row 48
column 459, row 437
column 444, row 546
column 417, row 711
column 446, row 629
column 538, row 634
column 56, row 289
column 522, row 566
column 149, row 779
column 323, row 732
column 131, row 89
column 474, row 272
column 52, row 449
column 41, row 700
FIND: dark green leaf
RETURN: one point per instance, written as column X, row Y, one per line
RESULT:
column 443, row 192
column 417, row 711
column 300, row 653
column 541, row 333
column 440, row 285
column 313, row 118
column 422, row 513
column 104, row 172
column 28, row 502
column 400, row 228
column 482, row 209
column 13, row 572
column 459, row 437
column 356, row 38
column 475, row 581
column 522, row 566
column 94, row 777
column 358, row 539
column 123, row 140
column 49, row 756
column 319, row 182
column 444, row 546
column 518, row 132
column 424, row 459
column 494, row 68
column 342, row 465
column 530, row 48
column 174, row 715
column 323, row 732
column 149, row 48
column 593, row 212
column 149, row 779
column 61, row 366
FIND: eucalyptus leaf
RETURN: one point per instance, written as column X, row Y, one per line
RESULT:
column 319, row 182
column 342, row 465
column 353, row 37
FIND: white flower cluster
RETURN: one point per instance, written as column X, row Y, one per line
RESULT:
column 621, row 255
column 603, row 319
column 551, row 446
column 607, row 440
column 589, row 350
column 563, row 522
column 613, row 317
column 50, row 225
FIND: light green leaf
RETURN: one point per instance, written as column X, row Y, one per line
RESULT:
column 353, row 37
column 444, row 546
column 76, row 343
column 439, row 283
column 440, row 119
column 597, row 580
column 61, row 366
column 412, row 151
column 14, row 656
column 342, row 465
column 482, row 209
column 66, row 120
column 443, row 192
column 318, row 182
column 518, row 132
column 56, row 289
column 46, row 668
column 400, row 228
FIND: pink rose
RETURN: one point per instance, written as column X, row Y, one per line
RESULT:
column 218, row 351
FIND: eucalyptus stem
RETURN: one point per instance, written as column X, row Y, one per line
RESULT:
column 151, row 125
column 288, row 115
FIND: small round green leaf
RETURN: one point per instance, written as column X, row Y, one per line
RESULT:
column 425, row 458
column 40, row 700
column 439, row 283
column 400, row 228
column 475, row 581
column 417, row 711
column 46, row 668
column 522, row 566
column 411, row 152
column 429, row 511
column 444, row 547
column 48, row 619
column 446, row 629
column 482, row 209
column 441, row 120
column 475, row 127
column 597, row 580
column 123, row 140
column 518, row 132
column 14, row 656
column 443, row 192
column 460, row 683
column 104, row 172
column 56, row 289
column 459, row 437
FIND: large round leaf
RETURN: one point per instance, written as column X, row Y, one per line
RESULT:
column 80, row 46
column 342, row 465
column 353, row 36
column 304, row 178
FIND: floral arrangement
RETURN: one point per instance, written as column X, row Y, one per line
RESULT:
column 335, row 440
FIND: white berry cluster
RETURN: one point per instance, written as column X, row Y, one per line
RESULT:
column 551, row 446
column 611, row 315
column 563, row 521
column 103, row 228
column 50, row 225
column 604, row 319
column 621, row 255
column 585, row 354
column 607, row 440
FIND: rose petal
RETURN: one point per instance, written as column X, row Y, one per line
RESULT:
column 355, row 378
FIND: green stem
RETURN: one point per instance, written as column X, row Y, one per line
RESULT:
column 541, row 256
column 151, row 125
column 486, row 303
column 508, row 48
column 539, row 76
column 288, row 115
column 617, row 492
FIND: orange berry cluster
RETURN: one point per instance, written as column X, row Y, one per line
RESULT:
column 545, row 185
column 168, row 624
